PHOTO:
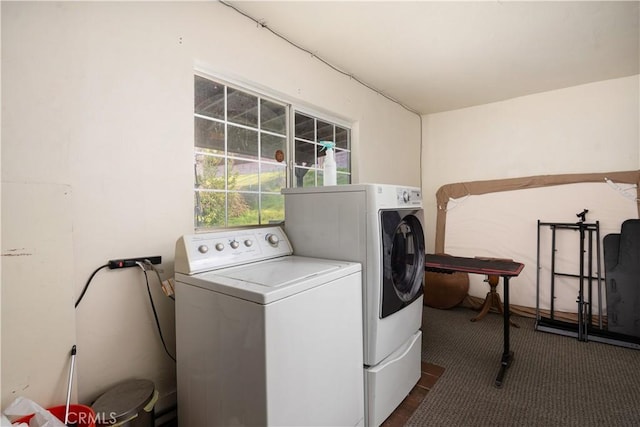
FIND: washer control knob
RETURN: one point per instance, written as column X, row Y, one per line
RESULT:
column 219, row 247
column 272, row 239
column 234, row 244
column 405, row 196
column 203, row 249
column 248, row 243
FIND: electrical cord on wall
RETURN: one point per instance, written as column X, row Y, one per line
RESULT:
column 153, row 267
column 143, row 266
column 153, row 306
column 86, row 286
column 264, row 25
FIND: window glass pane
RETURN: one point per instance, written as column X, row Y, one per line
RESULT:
column 242, row 142
column 242, row 108
column 273, row 117
column 325, row 131
column 272, row 208
column 270, row 144
column 273, row 177
column 304, row 127
column 321, row 154
column 309, row 158
column 209, row 135
column 209, row 98
column 343, row 178
column 243, row 175
column 209, row 172
column 305, row 153
column 209, row 209
column 243, row 208
column 304, row 177
column 342, row 138
column 343, row 160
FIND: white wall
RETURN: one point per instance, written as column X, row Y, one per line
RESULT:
column 98, row 101
column 588, row 128
column 504, row 225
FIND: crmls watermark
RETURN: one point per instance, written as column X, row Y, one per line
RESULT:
column 99, row 418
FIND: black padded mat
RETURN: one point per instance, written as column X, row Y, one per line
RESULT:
column 450, row 264
column 622, row 278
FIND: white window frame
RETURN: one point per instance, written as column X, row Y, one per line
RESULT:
column 291, row 109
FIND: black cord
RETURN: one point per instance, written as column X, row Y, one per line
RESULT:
column 155, row 270
column 263, row 24
column 153, row 306
column 86, row 286
column 155, row 314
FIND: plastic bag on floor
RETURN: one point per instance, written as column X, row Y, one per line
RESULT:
column 21, row 407
column 4, row 422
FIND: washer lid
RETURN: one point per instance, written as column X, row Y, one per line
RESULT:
column 267, row 281
column 280, row 272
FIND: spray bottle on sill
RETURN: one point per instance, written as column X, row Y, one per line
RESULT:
column 329, row 165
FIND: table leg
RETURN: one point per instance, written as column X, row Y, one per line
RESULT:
column 507, row 354
column 501, row 311
column 492, row 300
column 486, row 306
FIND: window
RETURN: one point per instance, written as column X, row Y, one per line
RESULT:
column 244, row 149
column 309, row 154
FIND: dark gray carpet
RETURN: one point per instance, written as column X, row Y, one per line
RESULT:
column 553, row 381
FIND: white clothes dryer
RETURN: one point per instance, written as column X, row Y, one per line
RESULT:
column 264, row 337
column 379, row 226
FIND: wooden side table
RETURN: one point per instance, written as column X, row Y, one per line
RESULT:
column 504, row 269
column 492, row 300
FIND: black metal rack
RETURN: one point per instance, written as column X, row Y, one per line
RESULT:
column 589, row 274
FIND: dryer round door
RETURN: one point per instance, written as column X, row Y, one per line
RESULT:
column 403, row 253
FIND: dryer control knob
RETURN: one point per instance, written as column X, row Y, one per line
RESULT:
column 203, row 249
column 234, row 244
column 248, row 242
column 405, row 196
column 219, row 247
column 272, row 239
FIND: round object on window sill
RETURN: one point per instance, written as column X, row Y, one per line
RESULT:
column 445, row 290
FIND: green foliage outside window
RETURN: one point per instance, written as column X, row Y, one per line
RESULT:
column 210, row 205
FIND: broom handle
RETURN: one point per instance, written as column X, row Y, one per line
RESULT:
column 73, row 361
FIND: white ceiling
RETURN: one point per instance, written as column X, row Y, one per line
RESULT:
column 436, row 56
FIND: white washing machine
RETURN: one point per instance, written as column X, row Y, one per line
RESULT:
column 265, row 337
column 379, row 226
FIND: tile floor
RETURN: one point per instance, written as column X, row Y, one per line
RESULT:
column 430, row 374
